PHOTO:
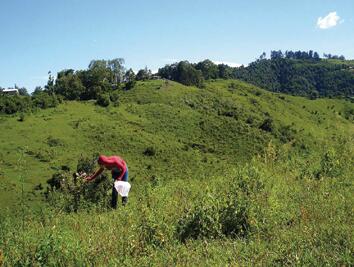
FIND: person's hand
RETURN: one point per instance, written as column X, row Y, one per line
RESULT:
column 87, row 178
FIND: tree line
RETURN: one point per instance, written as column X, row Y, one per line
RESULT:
column 295, row 72
column 100, row 81
column 301, row 73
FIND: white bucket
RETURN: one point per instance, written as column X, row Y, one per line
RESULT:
column 122, row 188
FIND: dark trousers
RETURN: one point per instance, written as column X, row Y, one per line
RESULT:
column 115, row 199
column 115, row 193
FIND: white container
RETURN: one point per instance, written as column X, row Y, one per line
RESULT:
column 122, row 188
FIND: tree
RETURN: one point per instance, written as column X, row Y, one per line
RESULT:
column 310, row 54
column 316, row 56
column 263, row 56
column 37, row 90
column 188, row 75
column 225, row 71
column 69, row 85
column 50, row 84
column 276, row 54
column 143, row 74
column 182, row 72
column 129, row 78
column 117, row 67
column 208, row 69
column 114, row 69
column 169, row 72
column 23, row 91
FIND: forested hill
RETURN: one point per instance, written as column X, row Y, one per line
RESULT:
column 297, row 73
column 306, row 77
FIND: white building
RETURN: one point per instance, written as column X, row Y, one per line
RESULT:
column 10, row 91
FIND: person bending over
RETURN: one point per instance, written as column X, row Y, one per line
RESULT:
column 119, row 170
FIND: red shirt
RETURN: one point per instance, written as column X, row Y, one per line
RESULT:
column 112, row 163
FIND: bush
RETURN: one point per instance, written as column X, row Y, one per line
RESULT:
column 286, row 133
column 69, row 192
column 44, row 100
column 114, row 97
column 22, row 117
column 229, row 214
column 150, row 151
column 103, row 100
column 151, row 231
column 130, row 85
column 53, row 142
column 12, row 104
column 267, row 125
column 203, row 221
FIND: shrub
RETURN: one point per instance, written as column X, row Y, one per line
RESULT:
column 129, row 85
column 229, row 214
column 57, row 180
column 114, row 96
column 53, row 142
column 286, row 133
column 103, row 100
column 44, row 155
column 151, row 231
column 44, row 100
column 267, row 125
column 71, row 193
column 203, row 221
column 22, row 117
column 12, row 104
column 250, row 120
column 150, row 151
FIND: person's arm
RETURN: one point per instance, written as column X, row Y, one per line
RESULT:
column 98, row 172
column 119, row 178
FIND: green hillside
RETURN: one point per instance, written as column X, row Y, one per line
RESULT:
column 275, row 169
column 304, row 77
column 298, row 73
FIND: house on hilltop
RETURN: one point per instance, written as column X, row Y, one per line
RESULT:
column 10, row 91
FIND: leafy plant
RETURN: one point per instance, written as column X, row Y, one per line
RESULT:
column 103, row 100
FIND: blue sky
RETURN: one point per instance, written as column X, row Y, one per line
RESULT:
column 41, row 35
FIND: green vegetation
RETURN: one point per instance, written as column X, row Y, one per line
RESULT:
column 297, row 73
column 224, row 175
column 306, row 77
column 16, row 103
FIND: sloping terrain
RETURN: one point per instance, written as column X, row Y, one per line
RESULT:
column 193, row 132
column 226, row 175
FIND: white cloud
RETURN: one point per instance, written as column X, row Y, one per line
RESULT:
column 231, row 64
column 328, row 21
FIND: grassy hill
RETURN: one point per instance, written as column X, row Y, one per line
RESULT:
column 202, row 161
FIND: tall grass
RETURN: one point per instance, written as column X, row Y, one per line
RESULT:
column 263, row 213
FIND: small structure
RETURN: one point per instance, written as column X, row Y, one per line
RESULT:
column 155, row 77
column 10, row 91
